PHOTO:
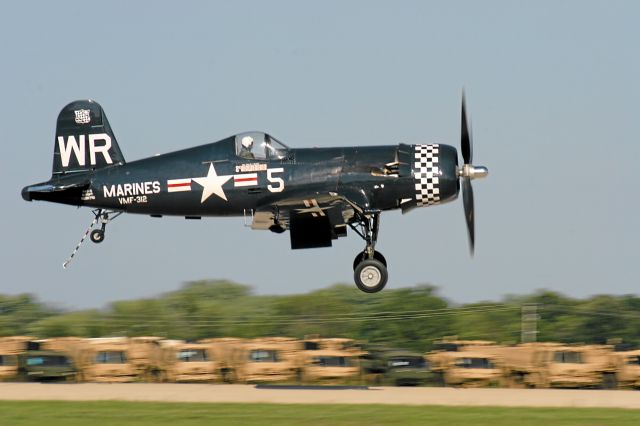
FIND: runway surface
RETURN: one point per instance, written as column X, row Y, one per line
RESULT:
column 209, row 393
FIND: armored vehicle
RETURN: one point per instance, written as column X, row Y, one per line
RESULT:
column 544, row 365
column 117, row 359
column 383, row 365
column 328, row 366
column 181, row 361
column 106, row 360
column 579, row 366
column 228, row 354
column 269, row 359
column 525, row 364
column 468, row 363
column 40, row 364
column 467, row 368
column 404, row 368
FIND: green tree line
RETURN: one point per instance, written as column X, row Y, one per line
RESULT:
column 408, row 317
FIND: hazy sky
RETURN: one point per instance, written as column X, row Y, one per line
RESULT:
column 552, row 90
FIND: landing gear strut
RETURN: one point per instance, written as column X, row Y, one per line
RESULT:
column 370, row 266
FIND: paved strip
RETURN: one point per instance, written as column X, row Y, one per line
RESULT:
column 209, row 393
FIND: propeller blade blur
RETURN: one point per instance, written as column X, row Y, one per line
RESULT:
column 467, row 200
column 465, row 135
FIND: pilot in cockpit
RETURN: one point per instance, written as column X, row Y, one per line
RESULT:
column 247, row 145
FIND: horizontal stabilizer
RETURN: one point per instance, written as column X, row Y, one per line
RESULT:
column 67, row 193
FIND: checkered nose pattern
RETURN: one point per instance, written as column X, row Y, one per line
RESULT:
column 427, row 171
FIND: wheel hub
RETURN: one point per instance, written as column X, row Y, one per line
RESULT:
column 370, row 276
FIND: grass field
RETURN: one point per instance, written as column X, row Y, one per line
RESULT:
column 17, row 413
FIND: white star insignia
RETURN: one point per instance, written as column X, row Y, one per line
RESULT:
column 212, row 184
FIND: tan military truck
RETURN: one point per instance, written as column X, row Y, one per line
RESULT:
column 117, row 359
column 180, row 361
column 628, row 368
column 544, row 365
column 522, row 363
column 267, row 360
column 581, row 366
column 10, row 348
column 142, row 352
column 467, row 368
column 229, row 355
column 444, row 356
column 329, row 367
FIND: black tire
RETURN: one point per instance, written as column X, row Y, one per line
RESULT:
column 609, row 381
column 362, row 256
column 370, row 276
column 439, row 380
column 21, row 376
column 97, row 236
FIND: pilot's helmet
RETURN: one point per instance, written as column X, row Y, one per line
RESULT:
column 247, row 141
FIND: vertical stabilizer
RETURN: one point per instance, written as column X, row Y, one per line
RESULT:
column 84, row 140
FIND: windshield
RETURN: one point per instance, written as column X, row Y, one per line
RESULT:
column 261, row 355
column 564, row 357
column 259, row 146
column 111, row 357
column 276, row 150
column 474, row 363
column 47, row 360
column 331, row 361
column 192, row 355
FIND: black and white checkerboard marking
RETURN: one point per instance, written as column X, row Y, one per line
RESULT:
column 427, row 173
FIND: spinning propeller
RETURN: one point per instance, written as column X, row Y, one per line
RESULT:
column 467, row 173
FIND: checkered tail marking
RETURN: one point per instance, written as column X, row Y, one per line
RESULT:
column 427, row 173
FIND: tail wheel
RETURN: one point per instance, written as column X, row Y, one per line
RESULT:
column 97, row 236
column 370, row 276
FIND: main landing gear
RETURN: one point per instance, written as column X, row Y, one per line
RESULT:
column 370, row 266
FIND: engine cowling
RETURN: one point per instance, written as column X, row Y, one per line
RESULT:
column 434, row 168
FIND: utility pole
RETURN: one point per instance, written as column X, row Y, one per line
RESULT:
column 529, row 327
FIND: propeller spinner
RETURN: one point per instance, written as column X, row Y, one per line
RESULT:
column 467, row 173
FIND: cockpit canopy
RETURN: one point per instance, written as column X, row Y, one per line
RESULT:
column 259, row 146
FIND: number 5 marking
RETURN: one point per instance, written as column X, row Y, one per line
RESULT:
column 276, row 180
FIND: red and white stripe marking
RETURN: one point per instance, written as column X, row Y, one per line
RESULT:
column 179, row 185
column 245, row 179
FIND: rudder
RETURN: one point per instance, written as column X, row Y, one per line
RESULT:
column 84, row 140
